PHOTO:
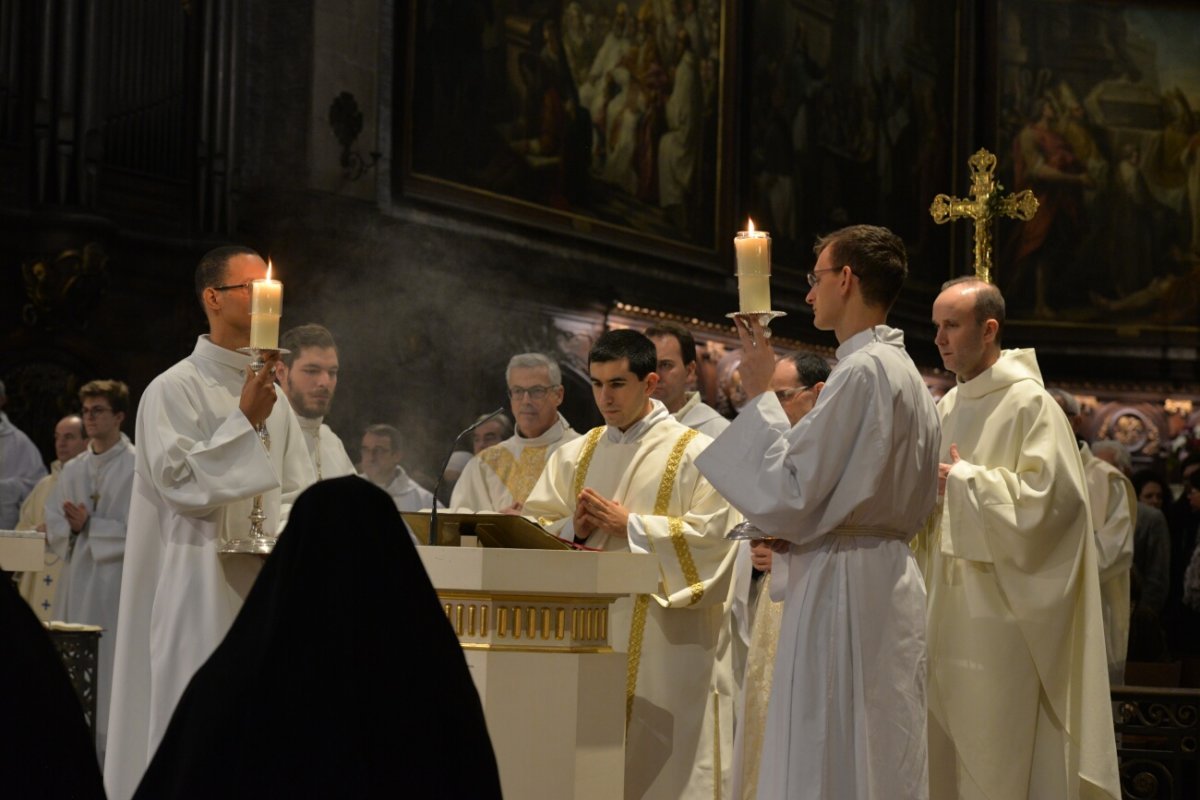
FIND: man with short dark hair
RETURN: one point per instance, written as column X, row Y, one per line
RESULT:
column 842, row 492
column 1016, row 637
column 200, row 463
column 40, row 589
column 380, row 457
column 500, row 477
column 86, row 519
column 308, row 373
column 21, row 467
column 632, row 485
column 676, row 372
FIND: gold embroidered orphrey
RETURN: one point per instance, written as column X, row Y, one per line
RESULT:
column 517, row 474
column 662, row 504
column 983, row 206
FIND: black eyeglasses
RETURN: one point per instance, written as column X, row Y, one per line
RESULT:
column 231, row 286
column 535, row 393
column 787, row 394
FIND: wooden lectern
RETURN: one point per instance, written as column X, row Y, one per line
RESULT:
column 534, row 626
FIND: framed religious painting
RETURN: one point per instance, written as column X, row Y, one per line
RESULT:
column 1096, row 110
column 603, row 119
column 850, row 116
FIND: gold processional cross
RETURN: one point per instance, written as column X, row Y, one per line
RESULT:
column 984, row 205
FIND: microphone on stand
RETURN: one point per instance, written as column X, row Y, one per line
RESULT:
column 433, row 523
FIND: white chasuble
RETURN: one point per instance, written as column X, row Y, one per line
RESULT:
column 847, row 486
column 680, row 692
column 199, row 465
column 329, row 457
column 91, row 591
column 1018, row 687
column 505, row 473
column 1114, row 512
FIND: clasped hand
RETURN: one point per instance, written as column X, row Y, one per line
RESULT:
column 595, row 513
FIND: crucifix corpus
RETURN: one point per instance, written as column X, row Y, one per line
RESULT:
column 983, row 206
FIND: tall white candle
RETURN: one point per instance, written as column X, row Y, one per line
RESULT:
column 753, row 249
column 266, row 307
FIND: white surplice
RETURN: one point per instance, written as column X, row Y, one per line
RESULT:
column 199, row 465
column 407, row 494
column 1114, row 512
column 329, row 457
column 700, row 416
column 91, row 591
column 680, row 722
column 848, row 486
column 21, row 467
column 1018, row 688
column 505, row 473
column 40, row 589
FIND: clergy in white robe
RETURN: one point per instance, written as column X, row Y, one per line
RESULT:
column 797, row 383
column 632, row 485
column 101, row 483
column 41, row 588
column 1114, row 514
column 200, row 463
column 308, row 373
column 679, row 147
column 21, row 467
column 381, row 453
column 1018, row 687
column 843, row 491
column 503, row 475
column 500, row 477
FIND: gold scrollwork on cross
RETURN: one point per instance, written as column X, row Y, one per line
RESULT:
column 982, row 207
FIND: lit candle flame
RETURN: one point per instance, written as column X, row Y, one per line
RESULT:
column 268, row 269
column 750, row 225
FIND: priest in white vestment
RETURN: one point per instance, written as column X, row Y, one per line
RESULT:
column 1019, row 701
column 21, row 467
column 632, row 485
column 200, row 463
column 1114, row 517
column 40, row 589
column 500, row 477
column 86, row 518
column 843, row 491
column 308, row 374
column 381, row 452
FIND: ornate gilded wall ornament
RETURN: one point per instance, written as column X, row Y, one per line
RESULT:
column 63, row 289
column 1131, row 428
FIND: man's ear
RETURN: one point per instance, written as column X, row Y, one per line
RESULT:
column 817, row 387
column 651, row 383
column 990, row 329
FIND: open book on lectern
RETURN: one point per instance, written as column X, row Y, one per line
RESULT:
column 493, row 530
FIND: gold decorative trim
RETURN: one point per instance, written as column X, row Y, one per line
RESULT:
column 502, row 631
column 518, row 623
column 518, row 474
column 471, row 620
column 527, row 599
column 483, row 621
column 560, row 620
column 545, row 623
column 662, row 504
column 534, row 648
column 458, row 619
column 585, row 457
column 637, row 630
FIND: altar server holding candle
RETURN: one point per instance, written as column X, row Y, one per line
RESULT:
column 842, row 491
column 200, row 463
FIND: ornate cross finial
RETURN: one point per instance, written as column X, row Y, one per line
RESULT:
column 983, row 207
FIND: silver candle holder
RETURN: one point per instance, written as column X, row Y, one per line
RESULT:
column 258, row 541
